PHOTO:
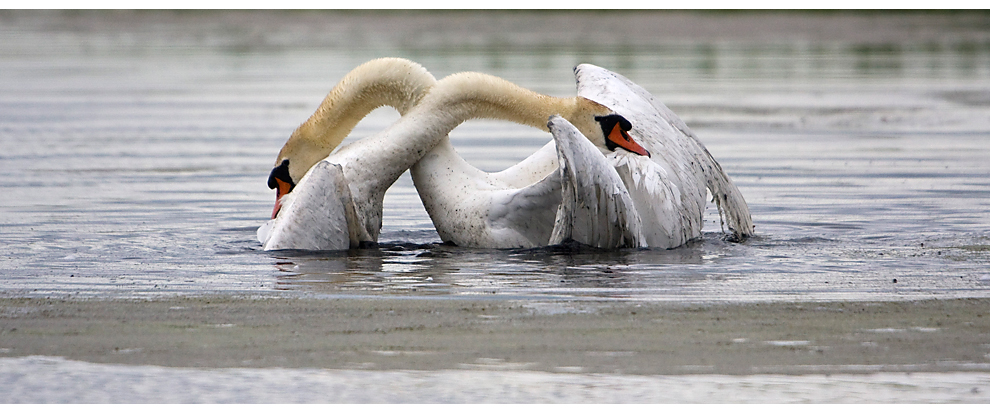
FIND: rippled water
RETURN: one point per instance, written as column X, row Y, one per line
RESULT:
column 136, row 148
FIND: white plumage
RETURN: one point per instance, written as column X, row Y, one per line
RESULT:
column 595, row 208
column 601, row 195
column 669, row 192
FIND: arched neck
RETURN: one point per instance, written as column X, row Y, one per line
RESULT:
column 397, row 83
column 460, row 97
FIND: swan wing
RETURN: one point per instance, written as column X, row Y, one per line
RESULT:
column 472, row 208
column 523, row 217
column 595, row 207
column 672, row 146
column 524, row 200
column 666, row 223
column 315, row 215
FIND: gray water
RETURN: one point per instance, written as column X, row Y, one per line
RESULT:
column 136, row 149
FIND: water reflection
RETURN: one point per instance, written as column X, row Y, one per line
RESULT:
column 435, row 268
column 709, row 269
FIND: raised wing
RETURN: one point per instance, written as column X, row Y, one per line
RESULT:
column 595, row 207
column 672, row 145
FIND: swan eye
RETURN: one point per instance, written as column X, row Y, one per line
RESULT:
column 614, row 128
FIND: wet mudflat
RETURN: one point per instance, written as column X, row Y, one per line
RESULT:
column 583, row 337
column 415, row 350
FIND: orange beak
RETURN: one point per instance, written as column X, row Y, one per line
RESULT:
column 622, row 139
column 282, row 189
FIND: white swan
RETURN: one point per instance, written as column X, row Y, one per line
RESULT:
column 514, row 208
column 332, row 202
column 517, row 207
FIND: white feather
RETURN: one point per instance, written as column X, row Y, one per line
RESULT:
column 320, row 209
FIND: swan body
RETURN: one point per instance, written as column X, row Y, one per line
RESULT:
column 472, row 208
column 665, row 192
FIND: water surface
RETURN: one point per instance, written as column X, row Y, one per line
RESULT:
column 136, row 148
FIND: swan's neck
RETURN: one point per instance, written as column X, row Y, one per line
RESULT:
column 397, row 83
column 469, row 95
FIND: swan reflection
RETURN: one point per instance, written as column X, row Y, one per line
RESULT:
column 572, row 270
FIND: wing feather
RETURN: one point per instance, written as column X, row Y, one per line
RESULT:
column 524, row 217
column 595, row 207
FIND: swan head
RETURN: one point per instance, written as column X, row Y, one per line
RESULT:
column 615, row 128
column 281, row 181
column 304, row 148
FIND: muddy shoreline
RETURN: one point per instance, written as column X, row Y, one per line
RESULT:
column 568, row 337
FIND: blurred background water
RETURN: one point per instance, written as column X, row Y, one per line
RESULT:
column 136, row 148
